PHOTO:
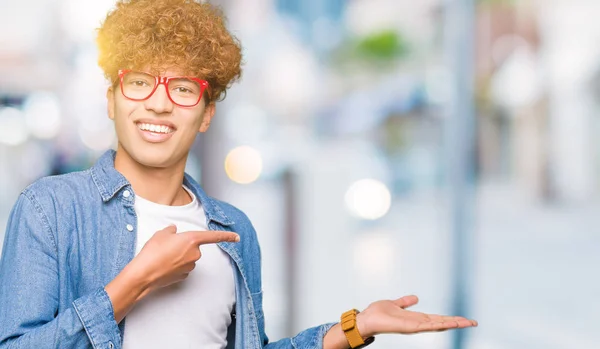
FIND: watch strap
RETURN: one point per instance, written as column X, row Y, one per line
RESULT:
column 348, row 323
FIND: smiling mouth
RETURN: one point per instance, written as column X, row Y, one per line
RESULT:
column 161, row 129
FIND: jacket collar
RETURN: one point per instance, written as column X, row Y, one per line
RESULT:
column 109, row 182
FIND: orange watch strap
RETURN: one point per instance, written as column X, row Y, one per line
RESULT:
column 348, row 322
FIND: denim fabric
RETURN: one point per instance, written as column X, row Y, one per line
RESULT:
column 70, row 235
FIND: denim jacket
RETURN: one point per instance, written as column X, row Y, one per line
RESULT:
column 68, row 236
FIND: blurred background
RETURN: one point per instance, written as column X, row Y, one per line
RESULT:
column 447, row 149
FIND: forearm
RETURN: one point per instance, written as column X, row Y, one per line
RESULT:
column 89, row 320
column 125, row 290
column 92, row 319
column 67, row 324
column 335, row 339
column 311, row 338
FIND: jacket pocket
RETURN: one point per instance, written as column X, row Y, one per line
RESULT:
column 260, row 318
column 257, row 303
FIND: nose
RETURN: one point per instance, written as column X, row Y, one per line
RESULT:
column 159, row 102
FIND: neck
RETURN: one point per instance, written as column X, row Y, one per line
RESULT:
column 161, row 185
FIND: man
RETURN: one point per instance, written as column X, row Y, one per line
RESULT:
column 85, row 249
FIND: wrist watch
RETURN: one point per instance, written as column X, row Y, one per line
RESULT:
column 348, row 322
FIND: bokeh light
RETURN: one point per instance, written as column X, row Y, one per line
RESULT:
column 243, row 165
column 368, row 199
column 42, row 115
column 13, row 130
column 97, row 140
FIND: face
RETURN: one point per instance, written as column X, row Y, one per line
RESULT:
column 155, row 132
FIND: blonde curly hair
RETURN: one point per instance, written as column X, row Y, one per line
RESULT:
column 162, row 34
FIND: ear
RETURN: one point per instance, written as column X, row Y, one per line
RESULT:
column 209, row 112
column 110, row 100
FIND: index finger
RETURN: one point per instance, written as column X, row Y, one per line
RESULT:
column 212, row 236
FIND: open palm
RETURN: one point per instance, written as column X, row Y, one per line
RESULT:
column 391, row 316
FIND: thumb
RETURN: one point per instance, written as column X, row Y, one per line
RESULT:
column 407, row 301
column 170, row 229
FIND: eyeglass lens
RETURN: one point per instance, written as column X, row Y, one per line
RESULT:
column 140, row 86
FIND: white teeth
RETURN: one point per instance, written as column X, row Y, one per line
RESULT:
column 155, row 128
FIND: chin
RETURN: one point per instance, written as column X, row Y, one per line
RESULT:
column 154, row 157
column 154, row 162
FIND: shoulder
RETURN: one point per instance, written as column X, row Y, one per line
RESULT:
column 60, row 186
column 41, row 203
column 52, row 193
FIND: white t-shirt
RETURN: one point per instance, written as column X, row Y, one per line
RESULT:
column 195, row 312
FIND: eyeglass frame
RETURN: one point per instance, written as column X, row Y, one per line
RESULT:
column 164, row 80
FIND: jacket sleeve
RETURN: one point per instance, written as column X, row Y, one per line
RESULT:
column 29, row 291
column 311, row 338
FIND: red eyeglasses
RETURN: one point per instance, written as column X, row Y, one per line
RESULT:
column 184, row 91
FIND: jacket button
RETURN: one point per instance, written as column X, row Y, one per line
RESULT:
column 129, row 227
column 126, row 193
column 111, row 345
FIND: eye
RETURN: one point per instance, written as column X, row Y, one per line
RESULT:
column 182, row 89
column 139, row 83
